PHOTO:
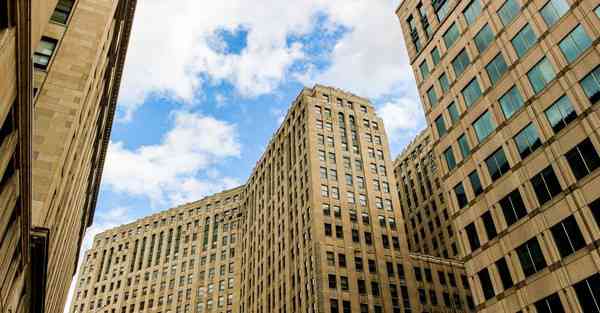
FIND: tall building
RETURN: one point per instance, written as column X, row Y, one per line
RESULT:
column 430, row 230
column 180, row 260
column 510, row 90
column 61, row 65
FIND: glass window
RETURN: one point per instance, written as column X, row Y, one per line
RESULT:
column 497, row 164
column 472, row 11
column 511, row 102
column 484, row 126
column 496, row 68
column 513, row 207
column 598, row 11
column 450, row 161
column 550, row 304
column 483, row 38
column 531, row 257
column 463, row 143
column 588, row 291
column 591, row 85
column 453, row 111
column 567, row 236
column 461, row 196
column 486, row 283
column 435, row 56
column 560, row 113
column 475, row 183
column 62, row 11
column 504, row 273
column 488, row 223
column 43, row 53
column 575, row 43
column 524, row 40
column 424, row 68
column 444, row 84
column 540, row 75
column 432, row 96
column 546, row 185
column 583, row 159
column 553, row 11
column 441, row 8
column 472, row 92
column 460, row 62
column 472, row 236
column 527, row 140
column 440, row 126
column 451, row 35
column 509, row 10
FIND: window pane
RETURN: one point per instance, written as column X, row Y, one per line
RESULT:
column 508, row 11
column 511, row 102
column 444, row 84
column 583, row 159
column 486, row 284
column 460, row 62
column 524, row 40
column 496, row 68
column 546, row 185
column 451, row 35
column 441, row 8
column 483, row 38
column 484, row 126
column 513, row 207
column 490, row 227
column 550, row 304
column 531, row 257
column 527, row 140
column 560, row 113
column 567, row 236
column 435, row 56
column 472, row 11
column 553, row 11
column 591, row 85
column 449, row 156
column 504, row 273
column 432, row 97
column 575, row 43
column 472, row 92
column 540, row 75
column 497, row 164
column 588, row 293
column 453, row 111
column 465, row 150
column 475, row 183
column 440, row 125
column 461, row 196
column 424, row 70
column 472, row 236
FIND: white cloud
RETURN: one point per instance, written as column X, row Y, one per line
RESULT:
column 169, row 172
column 403, row 118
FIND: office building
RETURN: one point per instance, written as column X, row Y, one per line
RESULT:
column 511, row 90
column 61, row 64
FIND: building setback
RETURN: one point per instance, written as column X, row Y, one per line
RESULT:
column 511, row 90
column 61, row 64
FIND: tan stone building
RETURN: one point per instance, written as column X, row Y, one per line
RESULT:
column 510, row 90
column 60, row 65
column 180, row 260
column 430, row 230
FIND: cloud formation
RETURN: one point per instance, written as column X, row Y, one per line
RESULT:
column 403, row 118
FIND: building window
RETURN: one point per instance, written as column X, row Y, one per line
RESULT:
column 42, row 55
column 560, row 113
column 472, row 11
column 486, row 284
column 540, row 75
column 461, row 195
column 453, row 112
column 424, row 68
column 472, row 92
column 553, row 11
column 440, row 126
column 513, row 207
column 435, row 56
column 497, row 164
column 484, row 126
column 444, row 84
column 504, row 273
column 334, row 305
column 488, row 224
column 511, row 102
column 575, row 43
column 475, row 183
column 588, row 293
column 508, row 11
column 496, row 68
column 546, row 185
column 583, row 159
column 483, row 38
column 441, row 8
column 432, row 97
column 527, row 140
column 461, row 62
column 62, row 11
column 550, row 304
column 524, row 40
column 450, row 161
column 567, row 236
column 451, row 35
column 531, row 257
column 591, row 85
column 463, row 144
column 472, row 236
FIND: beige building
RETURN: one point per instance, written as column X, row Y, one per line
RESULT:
column 61, row 64
column 510, row 90
column 180, row 260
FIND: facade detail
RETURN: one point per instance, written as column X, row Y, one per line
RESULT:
column 511, row 92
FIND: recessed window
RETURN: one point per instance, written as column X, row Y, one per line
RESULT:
column 472, row 236
column 575, row 43
column 553, row 11
column 488, row 224
column 451, row 35
column 591, row 85
column 461, row 195
column 497, row 164
column 513, row 207
column 424, row 68
column 450, row 160
column 546, row 185
column 527, row 140
column 531, row 257
column 472, row 11
column 453, row 112
column 461, row 62
column 62, row 11
column 463, row 143
column 588, row 293
column 508, row 11
column 550, row 304
column 540, row 75
column 560, row 113
column 432, row 97
column 496, row 68
column 444, row 84
column 435, row 56
column 472, row 92
column 504, row 273
column 583, row 159
column 595, row 208
column 483, row 38
column 486, row 284
column 43, row 54
column 484, row 126
column 524, row 40
column 475, row 183
column 567, row 236
column 440, row 126
column 441, row 8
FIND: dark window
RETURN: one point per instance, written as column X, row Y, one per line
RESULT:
column 560, row 113
column 463, row 144
column 550, row 304
column 332, row 281
column 527, row 140
column 5, row 14
column 583, row 159
column 418, row 275
column 461, row 196
column 497, row 164
column 504, row 273
column 43, row 53
column 450, row 161
column 567, row 236
column 472, row 236
column 591, row 85
column 440, row 126
column 488, row 223
column 475, row 183
column 546, row 185
column 328, row 229
column 62, row 11
column 486, row 283
column 375, row 288
column 513, row 207
column 531, row 257
column 334, row 305
column 588, row 293
column 595, row 208
column 362, row 287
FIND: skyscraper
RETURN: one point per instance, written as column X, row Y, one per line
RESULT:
column 510, row 90
column 61, row 68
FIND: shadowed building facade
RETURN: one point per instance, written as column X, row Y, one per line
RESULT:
column 511, row 90
column 61, row 64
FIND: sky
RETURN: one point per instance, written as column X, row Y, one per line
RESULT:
column 206, row 84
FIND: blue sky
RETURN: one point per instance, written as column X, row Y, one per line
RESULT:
column 204, row 90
